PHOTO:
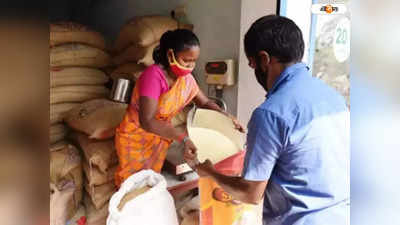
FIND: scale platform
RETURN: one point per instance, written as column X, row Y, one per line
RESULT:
column 174, row 163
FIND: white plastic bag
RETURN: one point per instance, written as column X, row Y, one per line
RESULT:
column 154, row 207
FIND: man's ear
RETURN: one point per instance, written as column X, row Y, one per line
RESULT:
column 265, row 59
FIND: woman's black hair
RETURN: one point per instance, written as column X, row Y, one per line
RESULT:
column 277, row 35
column 177, row 40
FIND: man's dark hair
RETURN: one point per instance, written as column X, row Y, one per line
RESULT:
column 177, row 40
column 277, row 35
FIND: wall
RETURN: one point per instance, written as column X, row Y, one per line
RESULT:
column 250, row 93
column 217, row 23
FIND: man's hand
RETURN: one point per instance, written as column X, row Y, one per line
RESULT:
column 205, row 169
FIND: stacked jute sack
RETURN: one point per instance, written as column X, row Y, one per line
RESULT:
column 66, row 166
column 77, row 55
column 94, row 123
column 134, row 46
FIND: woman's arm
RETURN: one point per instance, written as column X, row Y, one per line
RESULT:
column 148, row 122
column 202, row 101
column 147, row 112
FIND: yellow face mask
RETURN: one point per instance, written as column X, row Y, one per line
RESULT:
column 178, row 69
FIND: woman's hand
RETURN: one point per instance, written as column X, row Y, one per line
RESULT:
column 190, row 153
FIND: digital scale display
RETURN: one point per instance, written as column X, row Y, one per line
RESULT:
column 217, row 68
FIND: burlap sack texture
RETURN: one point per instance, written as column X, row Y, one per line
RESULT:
column 66, row 165
column 97, row 118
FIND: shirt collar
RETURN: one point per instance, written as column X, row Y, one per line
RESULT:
column 287, row 74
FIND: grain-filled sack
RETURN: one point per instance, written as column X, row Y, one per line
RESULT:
column 77, row 93
column 78, row 55
column 97, row 118
column 99, row 154
column 100, row 195
column 66, row 165
column 136, row 53
column 95, row 89
column 76, row 76
column 109, row 69
column 70, row 32
column 61, row 197
column 132, row 195
column 96, row 177
column 144, row 31
column 58, row 146
column 57, row 132
column 56, row 118
column 94, row 216
column 79, row 218
column 141, row 209
column 57, row 111
column 130, row 71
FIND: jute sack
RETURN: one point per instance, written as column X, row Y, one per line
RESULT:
column 95, row 89
column 70, row 32
column 58, row 146
column 144, row 31
column 100, row 195
column 130, row 71
column 141, row 206
column 77, row 93
column 79, row 218
column 76, row 76
column 97, row 118
column 78, row 55
column 56, row 118
column 94, row 216
column 60, row 198
column 96, row 177
column 66, row 165
column 60, row 97
column 57, row 111
column 57, row 132
column 99, row 154
column 136, row 53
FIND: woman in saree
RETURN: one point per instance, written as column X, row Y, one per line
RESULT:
column 162, row 91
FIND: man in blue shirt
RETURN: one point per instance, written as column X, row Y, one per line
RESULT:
column 298, row 152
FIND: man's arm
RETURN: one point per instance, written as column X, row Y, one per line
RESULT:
column 251, row 192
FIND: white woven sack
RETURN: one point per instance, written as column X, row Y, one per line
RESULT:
column 154, row 207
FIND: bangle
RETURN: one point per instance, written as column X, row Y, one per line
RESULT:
column 185, row 139
column 182, row 137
